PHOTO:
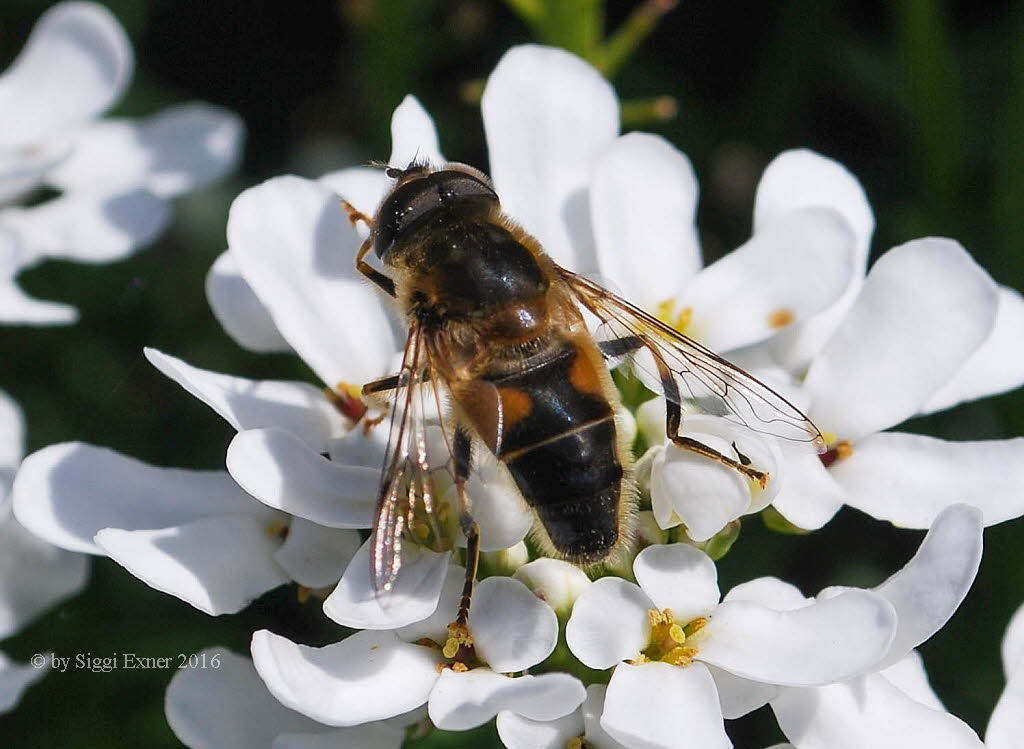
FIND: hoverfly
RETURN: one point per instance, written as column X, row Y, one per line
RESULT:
column 496, row 328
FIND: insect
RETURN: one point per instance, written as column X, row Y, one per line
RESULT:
column 496, row 329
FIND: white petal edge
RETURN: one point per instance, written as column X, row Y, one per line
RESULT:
column 827, row 641
column 226, row 706
column 296, row 407
column 66, row 493
column 370, row 675
column 931, row 586
column 193, row 562
column 908, row 479
column 239, row 311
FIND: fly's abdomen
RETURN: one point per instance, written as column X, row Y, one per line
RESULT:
column 559, row 441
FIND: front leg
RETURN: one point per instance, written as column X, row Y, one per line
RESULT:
column 386, row 283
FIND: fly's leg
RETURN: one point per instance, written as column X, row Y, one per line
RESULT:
column 673, row 422
column 459, row 636
column 386, row 283
column 356, row 216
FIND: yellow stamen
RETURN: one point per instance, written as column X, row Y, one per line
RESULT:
column 695, row 626
column 303, row 593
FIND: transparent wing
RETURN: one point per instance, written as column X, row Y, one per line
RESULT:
column 406, row 489
column 695, row 375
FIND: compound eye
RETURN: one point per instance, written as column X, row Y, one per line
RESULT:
column 403, row 208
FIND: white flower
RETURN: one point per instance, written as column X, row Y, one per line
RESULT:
column 33, row 574
column 1007, row 721
column 116, row 177
column 899, row 344
column 669, row 641
column 893, row 706
column 623, row 207
column 702, row 494
column 517, row 732
column 220, row 703
column 377, row 674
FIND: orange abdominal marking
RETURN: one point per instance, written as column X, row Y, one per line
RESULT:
column 780, row 318
column 515, row 405
column 583, row 376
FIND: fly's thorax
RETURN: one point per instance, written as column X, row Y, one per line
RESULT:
column 476, row 269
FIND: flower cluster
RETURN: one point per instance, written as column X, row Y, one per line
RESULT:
column 114, row 180
column 651, row 652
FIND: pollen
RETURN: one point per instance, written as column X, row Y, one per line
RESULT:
column 780, row 318
column 278, row 529
column 666, row 312
column 346, row 399
column 670, row 641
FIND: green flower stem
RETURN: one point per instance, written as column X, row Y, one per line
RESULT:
column 640, row 112
column 621, row 45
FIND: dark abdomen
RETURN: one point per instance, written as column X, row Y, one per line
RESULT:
column 559, row 441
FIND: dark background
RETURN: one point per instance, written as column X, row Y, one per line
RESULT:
column 923, row 101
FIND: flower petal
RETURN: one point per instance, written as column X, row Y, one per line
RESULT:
column 866, row 712
column 931, row 586
column 908, row 479
column 739, row 696
column 90, row 227
column 517, row 732
column 192, row 562
column 498, row 505
column 14, row 680
column 771, row 592
column 810, row 496
column 369, row 676
column 1007, row 721
column 1012, row 648
column 171, row 152
column 315, row 556
column 899, row 343
column 23, row 169
column 75, row 64
column 801, row 178
column 910, row 677
column 996, row 366
column 12, row 444
column 512, row 628
column 461, row 701
column 363, row 187
column 654, row 706
column 281, row 471
column 557, row 582
column 592, row 709
column 66, row 493
column 827, row 641
column 226, row 706
column 377, row 735
column 690, row 489
column 295, row 407
column 34, row 575
column 548, row 117
column 791, row 269
column 643, row 202
column 413, row 135
column 355, row 603
column 239, row 311
column 678, row 577
column 18, row 308
column 609, row 623
column 296, row 248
